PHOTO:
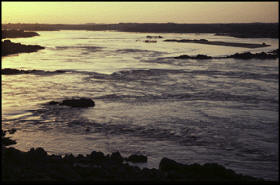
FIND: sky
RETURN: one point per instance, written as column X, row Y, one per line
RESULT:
column 138, row 12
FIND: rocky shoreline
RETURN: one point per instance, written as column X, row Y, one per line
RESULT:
column 36, row 165
column 17, row 34
column 243, row 56
column 9, row 48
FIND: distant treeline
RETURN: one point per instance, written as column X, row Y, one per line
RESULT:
column 246, row 30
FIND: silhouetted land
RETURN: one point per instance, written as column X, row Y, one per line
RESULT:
column 219, row 43
column 37, row 165
column 9, row 48
column 17, row 34
column 243, row 30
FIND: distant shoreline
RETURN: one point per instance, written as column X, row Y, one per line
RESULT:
column 240, row 30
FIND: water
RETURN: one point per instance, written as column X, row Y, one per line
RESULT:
column 192, row 111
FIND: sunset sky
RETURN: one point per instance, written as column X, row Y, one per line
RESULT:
column 141, row 12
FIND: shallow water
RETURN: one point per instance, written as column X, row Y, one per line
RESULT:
column 218, row 110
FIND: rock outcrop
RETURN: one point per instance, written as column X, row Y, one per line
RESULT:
column 17, row 34
column 199, row 57
column 75, row 102
column 9, row 48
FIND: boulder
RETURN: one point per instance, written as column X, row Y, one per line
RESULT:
column 81, row 102
column 168, row 164
column 116, row 157
column 137, row 158
column 97, row 156
column 199, row 57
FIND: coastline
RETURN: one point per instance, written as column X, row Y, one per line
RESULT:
column 36, row 165
column 84, row 160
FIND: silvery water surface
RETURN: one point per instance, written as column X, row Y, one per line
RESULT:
column 193, row 111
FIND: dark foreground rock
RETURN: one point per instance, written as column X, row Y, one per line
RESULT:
column 9, row 48
column 37, row 165
column 76, row 102
column 137, row 158
column 17, row 34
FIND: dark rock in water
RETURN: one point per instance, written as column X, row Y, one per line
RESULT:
column 168, row 164
column 97, row 156
column 17, row 34
column 199, row 57
column 150, row 41
column 247, row 55
column 81, row 102
column 153, row 37
column 183, row 57
column 9, row 48
column 53, row 103
column 137, row 158
column 7, row 141
column 116, row 156
column 196, row 172
column 202, row 57
column 38, row 153
column 9, row 71
column 12, row 131
column 275, row 52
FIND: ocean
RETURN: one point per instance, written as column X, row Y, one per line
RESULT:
column 221, row 111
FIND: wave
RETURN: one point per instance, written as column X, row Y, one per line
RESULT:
column 139, row 74
column 209, row 96
column 88, row 48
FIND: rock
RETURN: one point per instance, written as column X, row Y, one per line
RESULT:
column 9, row 48
column 150, row 41
column 248, row 55
column 69, row 158
column 199, row 57
column 137, row 159
column 183, row 57
column 202, row 57
column 7, row 141
column 97, row 156
column 38, row 153
column 81, row 102
column 116, row 156
column 9, row 71
column 17, row 34
column 53, row 103
column 153, row 37
column 168, row 164
column 12, row 131
column 76, row 102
